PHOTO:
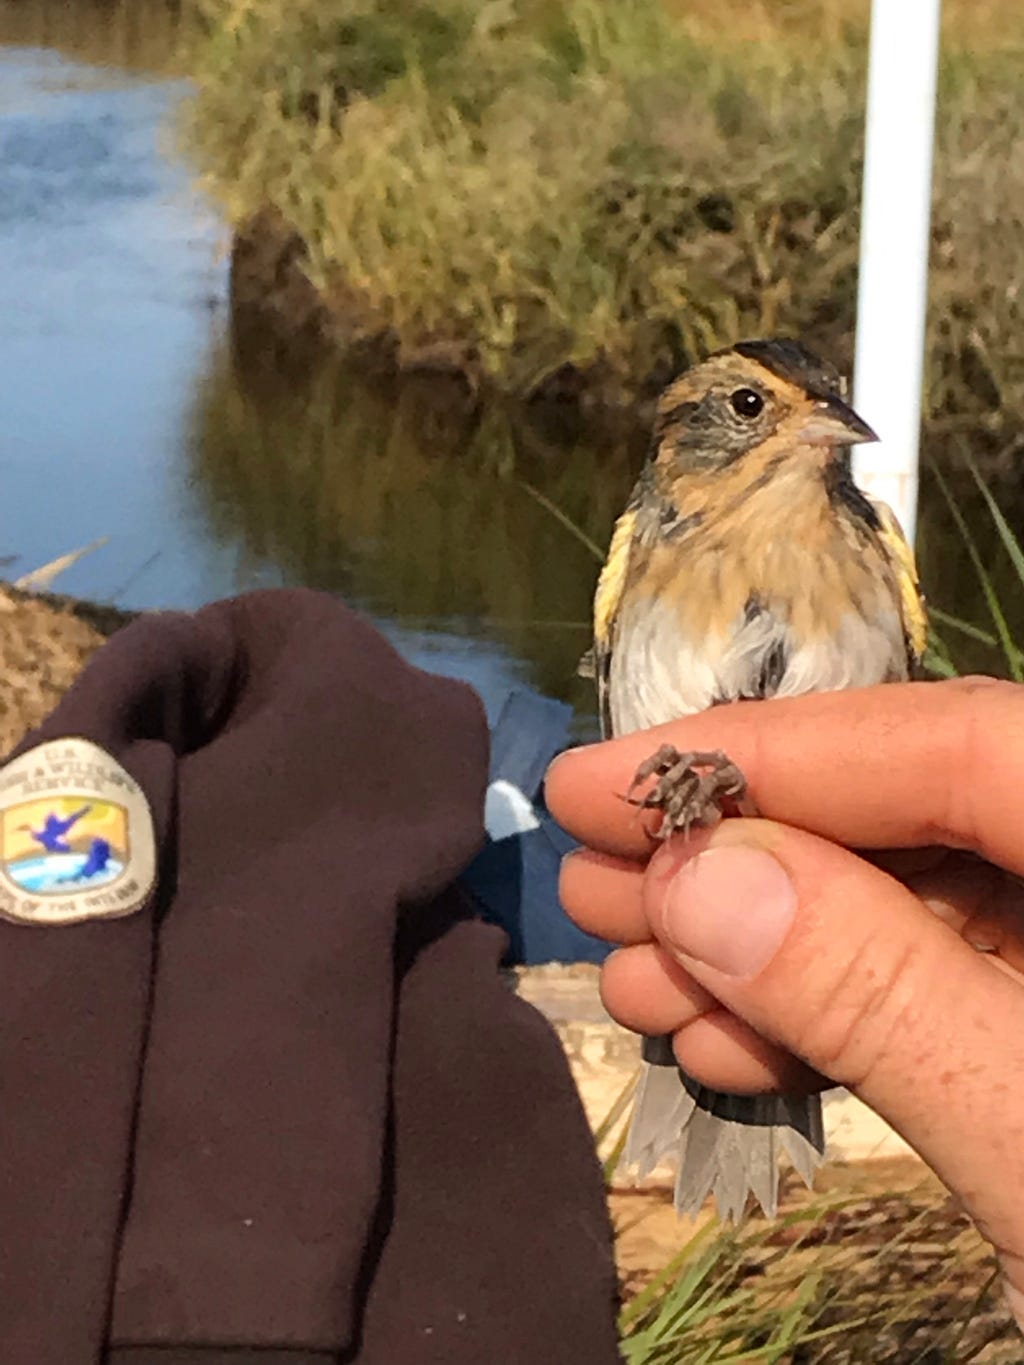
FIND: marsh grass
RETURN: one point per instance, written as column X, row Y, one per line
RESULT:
column 573, row 193
column 144, row 37
column 891, row 1277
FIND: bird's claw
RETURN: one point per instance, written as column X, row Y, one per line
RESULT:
column 693, row 788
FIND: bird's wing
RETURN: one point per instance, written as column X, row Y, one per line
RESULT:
column 57, row 826
column 912, row 603
column 606, row 606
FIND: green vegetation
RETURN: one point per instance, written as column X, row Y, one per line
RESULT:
column 890, row 1278
column 412, row 503
column 553, row 192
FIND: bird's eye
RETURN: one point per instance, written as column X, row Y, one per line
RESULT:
column 746, row 403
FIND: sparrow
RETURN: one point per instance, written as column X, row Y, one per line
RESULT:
column 747, row 565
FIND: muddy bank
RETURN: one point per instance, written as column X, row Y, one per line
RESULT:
column 272, row 297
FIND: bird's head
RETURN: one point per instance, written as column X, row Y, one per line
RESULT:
column 772, row 396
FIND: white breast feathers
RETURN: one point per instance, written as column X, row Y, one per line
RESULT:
column 658, row 674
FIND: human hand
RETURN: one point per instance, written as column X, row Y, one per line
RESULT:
column 777, row 957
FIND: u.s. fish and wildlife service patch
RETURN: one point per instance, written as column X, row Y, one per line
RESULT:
column 76, row 836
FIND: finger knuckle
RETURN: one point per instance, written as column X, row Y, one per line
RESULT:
column 978, row 735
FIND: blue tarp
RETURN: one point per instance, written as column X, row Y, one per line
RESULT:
column 515, row 876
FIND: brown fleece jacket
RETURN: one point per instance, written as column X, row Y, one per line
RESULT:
column 286, row 1113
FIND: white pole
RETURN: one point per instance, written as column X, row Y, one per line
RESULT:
column 896, row 209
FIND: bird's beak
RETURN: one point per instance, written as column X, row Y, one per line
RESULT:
column 831, row 422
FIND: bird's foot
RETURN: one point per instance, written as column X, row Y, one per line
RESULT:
column 693, row 788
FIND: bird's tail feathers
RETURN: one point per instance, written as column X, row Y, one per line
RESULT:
column 725, row 1145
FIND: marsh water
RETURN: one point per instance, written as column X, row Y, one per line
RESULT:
column 132, row 409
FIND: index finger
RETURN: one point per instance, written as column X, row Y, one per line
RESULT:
column 903, row 765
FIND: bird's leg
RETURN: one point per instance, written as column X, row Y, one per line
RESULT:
column 693, row 788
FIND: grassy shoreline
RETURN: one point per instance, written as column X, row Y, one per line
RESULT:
column 573, row 199
column 139, row 36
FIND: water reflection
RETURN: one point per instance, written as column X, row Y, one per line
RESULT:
column 108, row 270
column 419, row 507
column 412, row 502
column 128, row 35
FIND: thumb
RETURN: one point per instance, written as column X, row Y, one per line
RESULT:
column 842, row 965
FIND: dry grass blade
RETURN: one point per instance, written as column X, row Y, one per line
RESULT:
column 562, row 519
column 888, row 1277
column 42, row 579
